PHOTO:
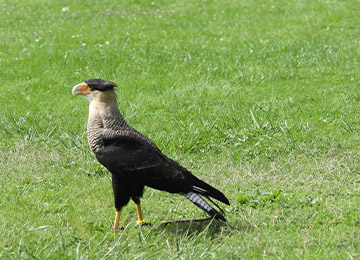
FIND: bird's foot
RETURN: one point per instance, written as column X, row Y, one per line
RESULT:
column 117, row 228
column 142, row 223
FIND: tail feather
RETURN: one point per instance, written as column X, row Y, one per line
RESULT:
column 201, row 203
column 205, row 189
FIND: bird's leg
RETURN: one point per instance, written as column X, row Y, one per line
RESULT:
column 139, row 214
column 117, row 219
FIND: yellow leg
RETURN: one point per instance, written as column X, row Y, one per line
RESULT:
column 140, row 218
column 117, row 219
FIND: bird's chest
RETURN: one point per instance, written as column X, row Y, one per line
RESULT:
column 96, row 126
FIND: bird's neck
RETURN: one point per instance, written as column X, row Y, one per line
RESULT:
column 103, row 114
column 103, row 100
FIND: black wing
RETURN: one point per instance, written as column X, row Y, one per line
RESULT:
column 141, row 162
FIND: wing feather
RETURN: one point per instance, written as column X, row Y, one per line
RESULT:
column 138, row 161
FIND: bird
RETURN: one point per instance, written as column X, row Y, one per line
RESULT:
column 133, row 160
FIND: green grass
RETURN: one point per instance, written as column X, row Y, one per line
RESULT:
column 259, row 98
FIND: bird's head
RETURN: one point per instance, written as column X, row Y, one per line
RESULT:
column 93, row 87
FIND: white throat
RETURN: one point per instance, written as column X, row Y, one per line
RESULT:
column 89, row 97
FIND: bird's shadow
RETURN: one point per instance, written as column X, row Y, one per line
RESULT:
column 192, row 226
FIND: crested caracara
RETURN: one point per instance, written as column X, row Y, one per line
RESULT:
column 133, row 160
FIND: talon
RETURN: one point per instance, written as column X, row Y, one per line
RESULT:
column 117, row 229
column 142, row 223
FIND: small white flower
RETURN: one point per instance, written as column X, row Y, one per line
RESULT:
column 83, row 44
column 107, row 43
column 65, row 9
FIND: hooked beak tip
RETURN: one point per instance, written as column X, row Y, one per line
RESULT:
column 76, row 90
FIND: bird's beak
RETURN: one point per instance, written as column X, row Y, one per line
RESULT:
column 76, row 90
column 81, row 89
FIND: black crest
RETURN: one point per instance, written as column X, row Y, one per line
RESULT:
column 100, row 84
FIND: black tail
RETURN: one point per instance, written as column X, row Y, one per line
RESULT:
column 205, row 189
column 201, row 203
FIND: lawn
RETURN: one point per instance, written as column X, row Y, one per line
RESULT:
column 258, row 98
